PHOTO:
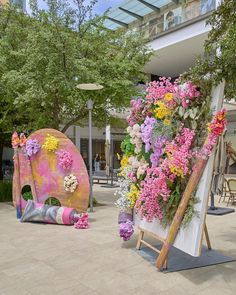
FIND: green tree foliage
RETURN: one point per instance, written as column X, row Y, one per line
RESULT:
column 220, row 49
column 55, row 50
column 45, row 55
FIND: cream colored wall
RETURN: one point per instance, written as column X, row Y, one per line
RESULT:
column 4, row 1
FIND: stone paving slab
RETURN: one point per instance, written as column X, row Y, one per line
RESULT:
column 38, row 259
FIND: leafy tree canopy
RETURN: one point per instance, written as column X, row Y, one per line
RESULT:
column 44, row 56
column 220, row 50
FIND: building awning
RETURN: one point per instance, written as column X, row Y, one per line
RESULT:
column 131, row 10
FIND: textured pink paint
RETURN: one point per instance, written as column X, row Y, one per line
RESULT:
column 46, row 178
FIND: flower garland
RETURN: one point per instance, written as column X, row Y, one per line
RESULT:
column 159, row 150
column 51, row 143
column 70, row 183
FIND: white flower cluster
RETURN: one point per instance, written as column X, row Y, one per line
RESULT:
column 70, row 183
column 123, row 203
column 138, row 166
column 136, row 137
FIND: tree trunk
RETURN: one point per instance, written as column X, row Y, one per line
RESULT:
column 74, row 121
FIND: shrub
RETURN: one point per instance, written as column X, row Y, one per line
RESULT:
column 5, row 191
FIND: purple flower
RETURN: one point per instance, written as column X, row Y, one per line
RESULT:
column 126, row 230
column 124, row 216
column 32, row 147
column 146, row 129
column 158, row 151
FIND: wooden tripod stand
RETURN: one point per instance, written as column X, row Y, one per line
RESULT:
column 142, row 241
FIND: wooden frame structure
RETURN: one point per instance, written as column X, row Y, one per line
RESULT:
column 142, row 241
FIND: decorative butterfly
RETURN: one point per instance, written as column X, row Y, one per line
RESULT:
column 17, row 141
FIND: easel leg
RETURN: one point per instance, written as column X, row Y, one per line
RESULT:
column 207, row 237
column 165, row 264
column 140, row 237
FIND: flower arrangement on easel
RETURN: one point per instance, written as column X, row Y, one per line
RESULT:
column 166, row 130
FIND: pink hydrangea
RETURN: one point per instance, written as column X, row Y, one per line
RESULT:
column 65, row 159
column 82, row 222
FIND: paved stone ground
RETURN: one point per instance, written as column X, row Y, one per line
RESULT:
column 37, row 259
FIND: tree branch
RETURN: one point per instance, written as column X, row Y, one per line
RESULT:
column 73, row 121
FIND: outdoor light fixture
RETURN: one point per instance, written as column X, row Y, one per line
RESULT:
column 89, row 86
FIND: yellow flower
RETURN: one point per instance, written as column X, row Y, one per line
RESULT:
column 161, row 111
column 169, row 96
column 177, row 171
column 133, row 195
column 166, row 122
column 124, row 162
column 51, row 143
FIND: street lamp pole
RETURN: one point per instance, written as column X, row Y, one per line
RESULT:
column 90, row 108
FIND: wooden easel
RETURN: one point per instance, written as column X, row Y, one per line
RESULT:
column 142, row 241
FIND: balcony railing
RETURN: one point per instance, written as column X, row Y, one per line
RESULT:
column 173, row 18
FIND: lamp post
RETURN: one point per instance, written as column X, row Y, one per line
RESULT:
column 89, row 86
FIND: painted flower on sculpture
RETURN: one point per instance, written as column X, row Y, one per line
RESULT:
column 70, row 183
column 51, row 143
column 64, row 159
column 32, row 147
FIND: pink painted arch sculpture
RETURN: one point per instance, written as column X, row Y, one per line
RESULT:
column 44, row 173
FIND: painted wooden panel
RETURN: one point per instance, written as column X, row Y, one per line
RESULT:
column 46, row 178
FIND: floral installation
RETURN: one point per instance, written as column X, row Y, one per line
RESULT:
column 32, row 147
column 64, row 159
column 70, row 183
column 165, row 133
column 82, row 221
column 51, row 143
